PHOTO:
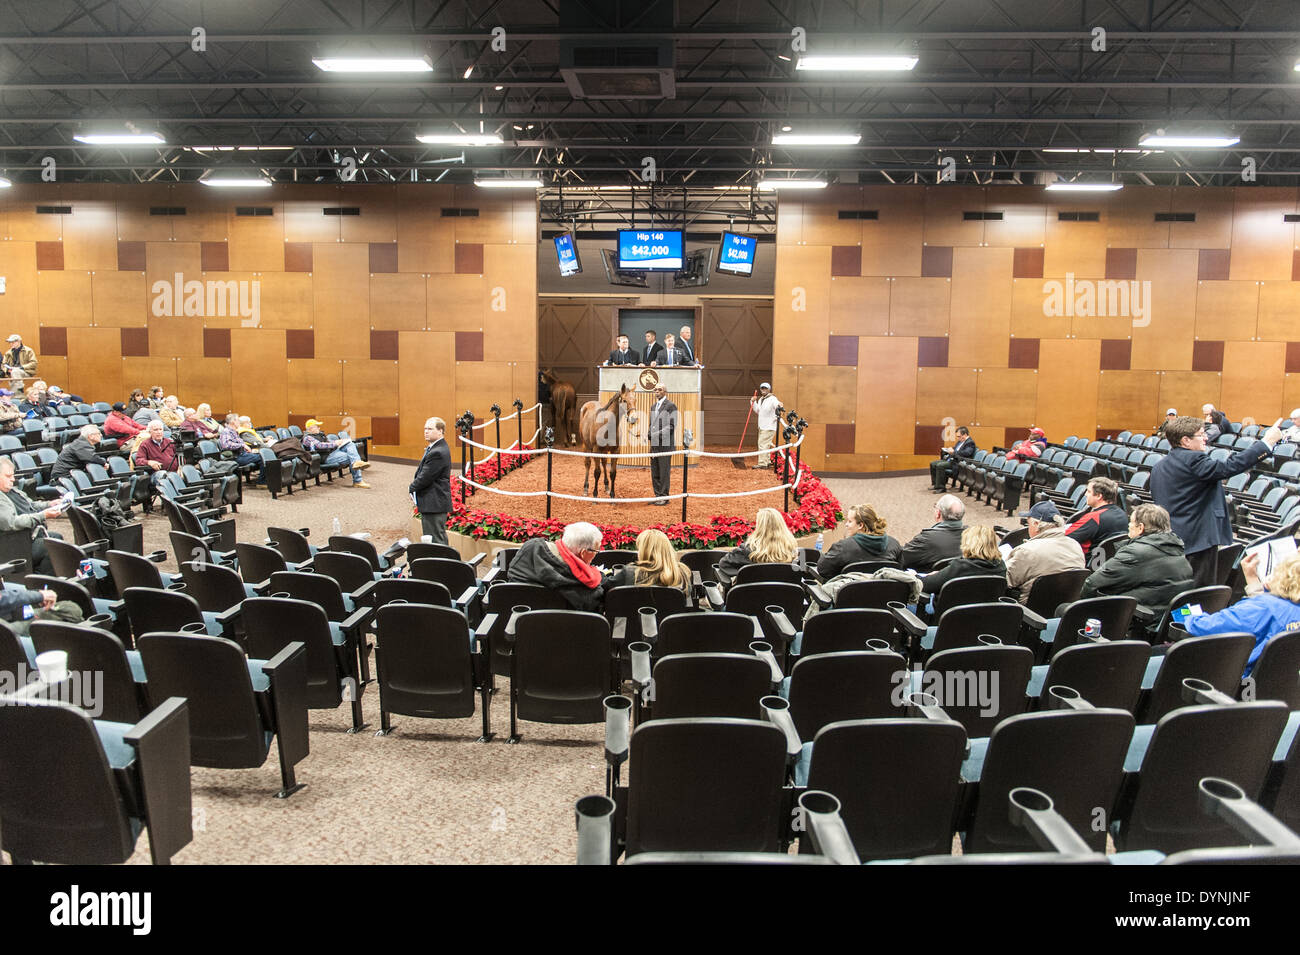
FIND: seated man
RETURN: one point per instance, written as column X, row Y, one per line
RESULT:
column 157, row 452
column 948, row 458
column 252, row 440
column 171, row 413
column 10, row 417
column 1150, row 567
column 941, row 540
column 564, row 566
column 56, row 397
column 622, row 354
column 18, row 512
column 1031, row 447
column 196, row 426
column 229, row 439
column 77, row 453
column 19, row 360
column 1047, row 551
column 340, row 452
column 1102, row 518
column 121, row 425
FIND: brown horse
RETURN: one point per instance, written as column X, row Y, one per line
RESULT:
column 564, row 407
column 600, row 435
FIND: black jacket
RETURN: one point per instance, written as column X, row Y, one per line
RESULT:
column 690, row 352
column 1151, row 569
column 965, row 448
column 933, row 544
column 77, row 453
column 633, row 357
column 1186, row 484
column 963, row 567
column 432, row 482
column 663, row 426
column 653, row 352
column 844, row 552
column 1094, row 525
column 537, row 563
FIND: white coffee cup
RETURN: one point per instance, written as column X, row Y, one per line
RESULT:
column 53, row 665
column 427, row 538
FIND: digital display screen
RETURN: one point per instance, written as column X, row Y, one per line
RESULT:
column 567, row 252
column 736, row 254
column 650, row 249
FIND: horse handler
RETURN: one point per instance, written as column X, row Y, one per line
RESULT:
column 663, row 437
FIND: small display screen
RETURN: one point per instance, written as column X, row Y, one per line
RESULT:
column 736, row 254
column 567, row 252
column 650, row 249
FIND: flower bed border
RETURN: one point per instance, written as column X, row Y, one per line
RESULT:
column 817, row 510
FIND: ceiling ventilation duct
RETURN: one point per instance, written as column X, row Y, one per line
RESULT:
column 618, row 65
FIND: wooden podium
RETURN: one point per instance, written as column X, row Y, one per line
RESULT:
column 683, row 384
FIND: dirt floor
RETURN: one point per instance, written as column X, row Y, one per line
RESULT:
column 711, row 475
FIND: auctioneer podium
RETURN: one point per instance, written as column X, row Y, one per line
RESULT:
column 683, row 384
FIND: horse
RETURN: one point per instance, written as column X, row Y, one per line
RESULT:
column 564, row 406
column 599, row 429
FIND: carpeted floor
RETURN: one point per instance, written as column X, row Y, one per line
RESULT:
column 429, row 793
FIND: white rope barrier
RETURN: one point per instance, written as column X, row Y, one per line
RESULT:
column 609, row 455
column 619, row 500
column 512, row 414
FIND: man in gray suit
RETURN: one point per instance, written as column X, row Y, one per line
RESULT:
column 663, row 437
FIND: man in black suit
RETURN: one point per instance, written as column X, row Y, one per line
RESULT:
column 622, row 355
column 663, row 437
column 684, row 343
column 431, row 486
column 1186, row 484
column 672, row 353
column 948, row 458
column 653, row 350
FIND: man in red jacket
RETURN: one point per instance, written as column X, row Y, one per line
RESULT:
column 157, row 452
column 121, row 425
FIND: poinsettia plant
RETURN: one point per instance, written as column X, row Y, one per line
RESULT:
column 817, row 510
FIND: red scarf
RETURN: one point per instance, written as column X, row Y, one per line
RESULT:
column 587, row 575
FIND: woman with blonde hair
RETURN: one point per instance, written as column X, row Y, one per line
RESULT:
column 867, row 540
column 656, row 564
column 1273, row 606
column 980, row 557
column 770, row 543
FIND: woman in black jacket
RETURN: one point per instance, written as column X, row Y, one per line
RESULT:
column 867, row 540
column 980, row 557
column 1150, row 567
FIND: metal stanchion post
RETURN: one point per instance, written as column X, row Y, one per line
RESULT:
column 469, row 429
column 463, row 431
column 786, row 434
column 519, row 423
column 501, row 461
column 798, row 452
column 550, row 439
column 687, row 438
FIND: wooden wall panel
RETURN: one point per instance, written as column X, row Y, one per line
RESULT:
column 1213, row 226
column 456, row 302
column 802, row 303
column 834, row 390
column 886, row 366
column 1262, row 243
column 1166, row 343
column 1067, row 397
column 1128, row 400
column 134, row 223
column 1005, row 395
column 1279, row 311
column 1131, row 224
column 90, row 235
column 479, row 384
column 1252, row 380
column 946, row 393
column 789, row 221
column 369, row 387
column 286, row 299
column 23, row 222
column 257, row 355
column 140, row 372
column 1188, row 390
column 304, row 220
column 1027, row 311
column 821, row 222
column 208, row 380
column 119, row 299
column 341, row 300
column 981, row 307
column 95, row 363
column 1076, row 247
column 426, row 381
column 1290, row 393
column 19, row 307
column 1024, row 217
column 510, row 274
column 494, row 222
column 860, row 306
column 164, row 259
column 891, row 245
column 944, row 222
column 1226, row 310
column 315, row 386
column 919, row 306
column 257, row 242
column 378, row 219
column 426, row 242
column 397, row 302
column 63, row 298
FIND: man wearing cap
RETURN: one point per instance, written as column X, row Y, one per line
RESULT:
column 1186, row 484
column 339, row 452
column 1048, row 550
column 10, row 417
column 19, row 360
column 941, row 540
column 764, row 404
column 1170, row 415
column 121, row 425
column 1031, row 447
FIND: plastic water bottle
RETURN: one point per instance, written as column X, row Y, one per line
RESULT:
column 821, row 539
column 336, row 528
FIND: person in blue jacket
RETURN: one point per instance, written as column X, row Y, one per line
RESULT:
column 1272, row 607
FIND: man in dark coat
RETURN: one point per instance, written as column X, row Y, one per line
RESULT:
column 1150, row 567
column 663, row 437
column 623, row 355
column 941, row 540
column 564, row 566
column 948, row 458
column 1102, row 518
column 653, row 350
column 431, row 486
column 1186, row 484
column 77, row 453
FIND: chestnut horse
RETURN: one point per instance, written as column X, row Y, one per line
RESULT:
column 564, row 407
column 600, row 435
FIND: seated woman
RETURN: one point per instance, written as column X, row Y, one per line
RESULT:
column 770, row 543
column 1150, row 567
column 867, row 540
column 1272, row 607
column 656, row 565
column 980, row 557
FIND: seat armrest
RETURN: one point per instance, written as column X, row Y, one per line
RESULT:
column 462, row 602
column 362, row 593
column 162, row 758
column 912, row 624
column 779, row 716
column 477, row 559
column 510, row 626
column 263, row 588
column 713, row 594
column 485, row 627
column 227, row 620
column 1145, row 615
column 782, row 623
column 157, row 556
column 763, row 651
column 357, row 619
column 619, row 631
column 818, row 593
column 1033, row 620
column 15, row 566
column 287, row 671
column 490, row 577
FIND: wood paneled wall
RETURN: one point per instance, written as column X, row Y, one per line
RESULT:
column 386, row 317
column 888, row 328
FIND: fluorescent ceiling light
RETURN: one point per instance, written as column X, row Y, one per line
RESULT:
column 5, row 183
column 1108, row 152
column 767, row 185
column 816, row 139
column 241, row 149
column 843, row 62
column 119, row 139
column 1189, row 142
column 235, row 181
column 469, row 71
column 461, row 139
column 373, row 64
column 1085, row 186
column 509, row 183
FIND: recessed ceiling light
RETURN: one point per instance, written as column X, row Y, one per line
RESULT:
column 846, row 62
column 231, row 181
column 1189, row 141
column 1085, row 186
column 469, row 71
column 816, row 139
column 767, row 185
column 509, row 183
column 461, row 139
column 498, row 88
column 374, row 64
column 119, row 139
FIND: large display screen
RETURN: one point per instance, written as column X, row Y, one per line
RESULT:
column 650, row 249
column 567, row 252
column 736, row 253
